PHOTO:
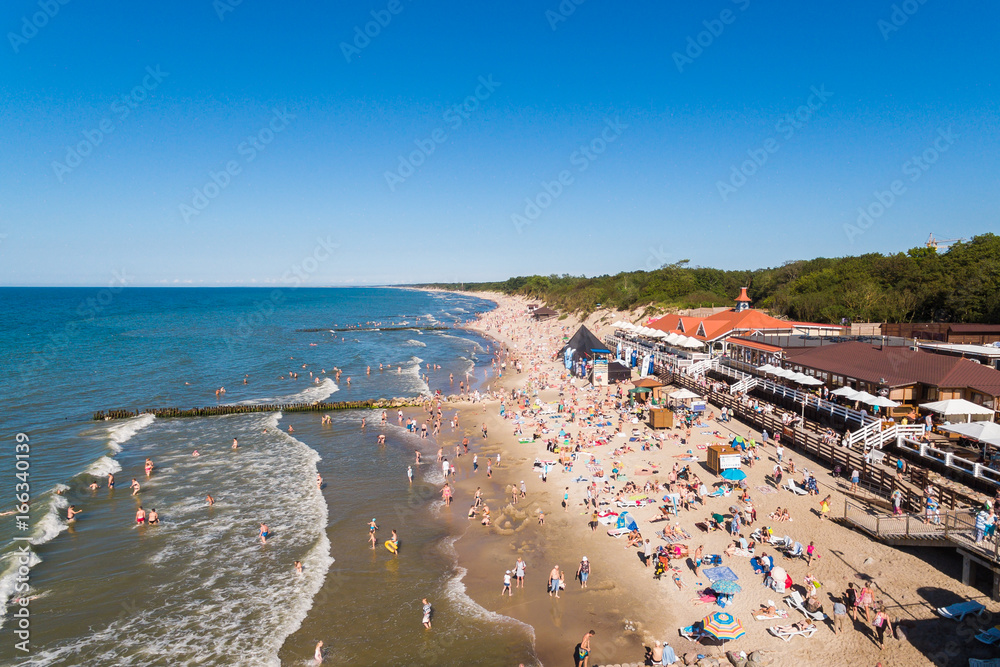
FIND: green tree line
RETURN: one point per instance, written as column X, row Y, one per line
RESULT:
column 961, row 284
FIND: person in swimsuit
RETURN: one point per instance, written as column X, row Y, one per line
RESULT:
column 140, row 516
column 395, row 540
column 583, row 655
column 149, row 467
column 209, row 499
column 263, row 533
column 134, row 486
column 154, row 517
column 72, row 512
column 428, row 610
column 236, row 444
column 318, row 653
column 111, row 480
column 298, row 567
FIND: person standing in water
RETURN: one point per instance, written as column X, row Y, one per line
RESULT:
column 263, row 533
column 236, row 443
column 409, row 473
column 154, row 517
column 318, row 653
column 72, row 512
column 134, row 486
column 140, row 516
column 428, row 610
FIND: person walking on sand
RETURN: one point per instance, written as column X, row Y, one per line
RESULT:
column 555, row 581
column 855, row 478
column 583, row 572
column 824, row 508
column 647, row 553
column 583, row 653
column 697, row 558
column 882, row 625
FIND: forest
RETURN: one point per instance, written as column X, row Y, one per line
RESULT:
column 961, row 284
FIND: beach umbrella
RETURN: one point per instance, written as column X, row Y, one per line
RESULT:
column 691, row 343
column 733, row 474
column 884, row 402
column 726, row 587
column 864, row 397
column 723, row 626
column 766, row 368
column 718, row 518
column 846, row 392
column 985, row 432
column 683, row 395
column 957, row 406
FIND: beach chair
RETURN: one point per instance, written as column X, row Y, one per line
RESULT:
column 721, row 492
column 795, row 601
column 778, row 615
column 781, row 542
column 794, row 489
column 694, row 633
column 976, row 662
column 795, row 551
column 990, row 637
column 960, row 610
column 618, row 532
column 786, row 632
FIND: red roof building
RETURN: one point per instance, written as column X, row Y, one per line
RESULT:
column 716, row 329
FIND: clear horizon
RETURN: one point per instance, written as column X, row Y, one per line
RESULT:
column 392, row 143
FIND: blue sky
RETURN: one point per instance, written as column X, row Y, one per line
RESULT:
column 612, row 137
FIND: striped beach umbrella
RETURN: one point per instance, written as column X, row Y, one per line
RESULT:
column 723, row 626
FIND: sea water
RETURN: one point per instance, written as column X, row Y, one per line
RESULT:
column 200, row 588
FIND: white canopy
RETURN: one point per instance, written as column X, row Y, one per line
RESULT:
column 782, row 373
column 864, row 397
column 673, row 338
column 883, row 402
column 683, row 395
column 982, row 431
column 957, row 406
column 846, row 392
column 690, row 342
column 766, row 368
column 802, row 378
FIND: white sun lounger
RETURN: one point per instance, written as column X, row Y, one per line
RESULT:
column 786, row 632
column 795, row 601
column 794, row 489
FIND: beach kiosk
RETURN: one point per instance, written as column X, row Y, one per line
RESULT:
column 723, row 457
column 661, row 418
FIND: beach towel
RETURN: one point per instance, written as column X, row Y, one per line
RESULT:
column 767, row 489
column 722, row 573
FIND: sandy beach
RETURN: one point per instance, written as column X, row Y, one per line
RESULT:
column 627, row 608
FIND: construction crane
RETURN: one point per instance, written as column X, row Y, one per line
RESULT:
column 940, row 243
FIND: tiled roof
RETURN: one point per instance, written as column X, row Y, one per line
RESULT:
column 898, row 366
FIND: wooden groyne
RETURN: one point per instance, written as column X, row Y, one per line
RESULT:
column 220, row 410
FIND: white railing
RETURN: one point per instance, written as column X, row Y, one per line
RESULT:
column 949, row 460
